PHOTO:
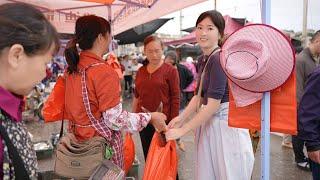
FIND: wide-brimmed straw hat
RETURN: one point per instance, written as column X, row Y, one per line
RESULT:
column 257, row 58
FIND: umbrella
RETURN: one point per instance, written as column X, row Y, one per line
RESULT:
column 138, row 33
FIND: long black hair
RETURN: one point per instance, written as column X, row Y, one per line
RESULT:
column 217, row 19
column 87, row 30
column 25, row 25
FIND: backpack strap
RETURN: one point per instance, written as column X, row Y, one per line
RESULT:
column 64, row 76
column 98, row 125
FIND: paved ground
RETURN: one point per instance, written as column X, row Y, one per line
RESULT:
column 281, row 163
column 282, row 166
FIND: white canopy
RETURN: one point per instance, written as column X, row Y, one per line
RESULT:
column 124, row 14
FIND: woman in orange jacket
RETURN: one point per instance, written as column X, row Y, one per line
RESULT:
column 92, row 90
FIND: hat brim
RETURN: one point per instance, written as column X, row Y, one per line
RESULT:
column 281, row 62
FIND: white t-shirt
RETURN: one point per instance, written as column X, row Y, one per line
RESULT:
column 136, row 67
column 128, row 67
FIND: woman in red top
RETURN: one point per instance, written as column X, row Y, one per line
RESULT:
column 156, row 82
column 92, row 36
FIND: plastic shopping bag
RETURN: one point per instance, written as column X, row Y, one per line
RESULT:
column 162, row 159
column 53, row 108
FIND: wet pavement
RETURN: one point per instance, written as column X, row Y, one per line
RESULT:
column 282, row 166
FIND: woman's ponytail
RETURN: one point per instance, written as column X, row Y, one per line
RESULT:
column 72, row 56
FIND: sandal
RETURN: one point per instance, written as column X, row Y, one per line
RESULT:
column 287, row 144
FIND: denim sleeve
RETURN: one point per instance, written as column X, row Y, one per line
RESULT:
column 300, row 78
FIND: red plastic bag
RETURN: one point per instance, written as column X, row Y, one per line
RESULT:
column 162, row 160
column 54, row 106
column 129, row 152
column 283, row 110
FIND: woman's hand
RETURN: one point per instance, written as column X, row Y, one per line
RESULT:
column 175, row 123
column 158, row 121
column 173, row 134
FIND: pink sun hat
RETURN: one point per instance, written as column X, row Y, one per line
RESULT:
column 256, row 58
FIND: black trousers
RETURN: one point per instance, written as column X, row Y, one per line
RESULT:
column 298, row 145
column 146, row 136
column 128, row 83
column 315, row 169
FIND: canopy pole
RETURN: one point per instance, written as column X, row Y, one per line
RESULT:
column 265, row 137
column 109, row 15
column 305, row 21
column 265, row 109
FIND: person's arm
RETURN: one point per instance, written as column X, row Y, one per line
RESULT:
column 134, row 107
column 309, row 114
column 134, row 104
column 200, row 118
column 191, row 108
column 118, row 119
column 187, row 112
column 300, row 78
column 106, row 85
column 309, row 118
column 215, row 92
column 174, row 93
column 135, row 99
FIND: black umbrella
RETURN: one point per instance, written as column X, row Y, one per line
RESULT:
column 189, row 30
column 138, row 33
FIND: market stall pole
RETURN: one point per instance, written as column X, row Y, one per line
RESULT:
column 265, row 109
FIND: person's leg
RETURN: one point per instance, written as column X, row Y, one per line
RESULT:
column 146, row 136
column 234, row 153
column 315, row 168
column 300, row 158
column 130, row 83
column 180, row 145
column 125, row 83
column 299, row 155
column 255, row 138
column 298, row 145
column 204, row 157
column 287, row 141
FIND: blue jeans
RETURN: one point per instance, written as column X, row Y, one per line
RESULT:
column 315, row 168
